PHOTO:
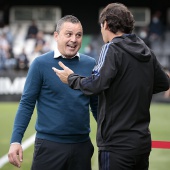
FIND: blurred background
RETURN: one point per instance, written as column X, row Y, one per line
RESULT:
column 26, row 31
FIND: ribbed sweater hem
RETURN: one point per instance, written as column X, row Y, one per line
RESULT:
column 63, row 138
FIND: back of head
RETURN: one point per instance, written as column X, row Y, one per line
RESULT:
column 67, row 18
column 118, row 18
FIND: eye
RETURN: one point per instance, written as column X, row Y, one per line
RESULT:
column 68, row 34
column 79, row 35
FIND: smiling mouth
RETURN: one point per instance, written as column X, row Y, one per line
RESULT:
column 71, row 47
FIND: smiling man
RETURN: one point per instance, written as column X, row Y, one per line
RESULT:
column 62, row 139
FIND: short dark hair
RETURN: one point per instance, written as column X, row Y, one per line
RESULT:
column 118, row 18
column 66, row 18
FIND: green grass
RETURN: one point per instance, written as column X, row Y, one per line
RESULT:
column 7, row 114
column 160, row 129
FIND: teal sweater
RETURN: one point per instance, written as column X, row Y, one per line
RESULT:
column 62, row 113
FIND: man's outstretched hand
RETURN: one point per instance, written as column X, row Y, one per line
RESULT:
column 63, row 74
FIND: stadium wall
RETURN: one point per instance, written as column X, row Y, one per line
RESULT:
column 11, row 85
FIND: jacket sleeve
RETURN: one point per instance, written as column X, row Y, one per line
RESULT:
column 102, row 76
column 161, row 78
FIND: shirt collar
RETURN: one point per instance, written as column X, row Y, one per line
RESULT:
column 58, row 54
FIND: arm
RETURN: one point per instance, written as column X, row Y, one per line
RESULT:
column 103, row 74
column 25, row 110
column 161, row 78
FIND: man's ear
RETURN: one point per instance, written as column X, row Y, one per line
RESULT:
column 55, row 34
column 105, row 25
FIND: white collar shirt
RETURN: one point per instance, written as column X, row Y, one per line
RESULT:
column 58, row 54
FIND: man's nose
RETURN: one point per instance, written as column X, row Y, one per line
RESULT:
column 73, row 38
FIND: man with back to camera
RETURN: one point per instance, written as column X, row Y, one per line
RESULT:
column 126, row 77
column 62, row 138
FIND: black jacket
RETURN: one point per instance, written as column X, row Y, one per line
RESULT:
column 126, row 77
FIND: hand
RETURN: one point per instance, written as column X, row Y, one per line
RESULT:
column 15, row 155
column 63, row 74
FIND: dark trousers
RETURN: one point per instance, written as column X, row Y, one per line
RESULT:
column 50, row 155
column 115, row 161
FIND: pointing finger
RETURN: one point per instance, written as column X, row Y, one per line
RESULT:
column 62, row 65
column 54, row 69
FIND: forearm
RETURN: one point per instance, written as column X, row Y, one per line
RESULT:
column 88, row 85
